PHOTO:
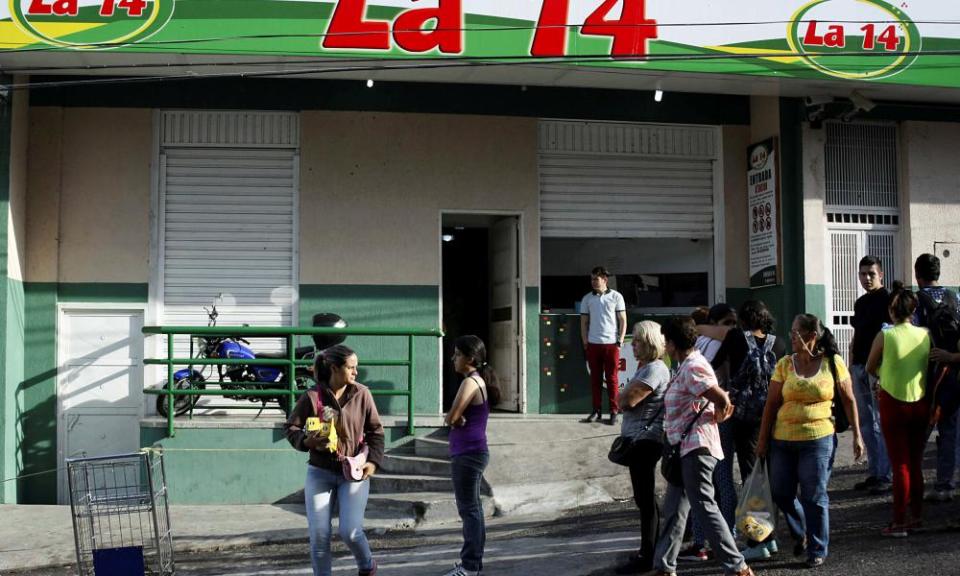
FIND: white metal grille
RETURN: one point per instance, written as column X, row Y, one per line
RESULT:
column 230, row 128
column 861, row 165
column 607, row 180
column 882, row 246
column 844, row 249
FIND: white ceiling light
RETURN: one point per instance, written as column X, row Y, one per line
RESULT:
column 370, row 83
column 658, row 95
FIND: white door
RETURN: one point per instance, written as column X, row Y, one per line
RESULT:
column 847, row 247
column 99, row 383
column 505, row 321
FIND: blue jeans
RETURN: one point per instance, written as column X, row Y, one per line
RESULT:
column 877, row 459
column 321, row 487
column 466, row 471
column 946, row 452
column 807, row 463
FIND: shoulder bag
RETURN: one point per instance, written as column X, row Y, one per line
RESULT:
column 352, row 465
column 622, row 449
column 670, row 466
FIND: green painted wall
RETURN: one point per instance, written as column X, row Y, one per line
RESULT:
column 213, row 465
column 533, row 349
column 37, row 388
column 380, row 307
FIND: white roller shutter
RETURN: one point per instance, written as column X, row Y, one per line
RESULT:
column 228, row 234
column 607, row 180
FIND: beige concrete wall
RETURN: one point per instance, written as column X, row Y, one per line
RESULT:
column 88, row 211
column 816, row 260
column 373, row 186
column 764, row 117
column 735, row 142
column 16, row 230
column 931, row 178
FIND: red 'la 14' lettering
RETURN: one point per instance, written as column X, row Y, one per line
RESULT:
column 834, row 38
column 54, row 7
column 349, row 29
column 133, row 8
column 630, row 33
column 888, row 38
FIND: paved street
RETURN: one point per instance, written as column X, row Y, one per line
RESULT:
column 592, row 542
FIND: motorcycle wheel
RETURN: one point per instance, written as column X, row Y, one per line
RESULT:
column 181, row 404
column 304, row 382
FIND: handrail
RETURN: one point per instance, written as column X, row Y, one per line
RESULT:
column 291, row 362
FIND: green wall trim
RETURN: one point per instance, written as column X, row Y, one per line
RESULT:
column 382, row 306
column 532, row 329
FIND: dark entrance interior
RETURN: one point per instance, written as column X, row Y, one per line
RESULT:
column 466, row 294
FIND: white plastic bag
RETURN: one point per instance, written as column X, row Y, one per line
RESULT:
column 755, row 514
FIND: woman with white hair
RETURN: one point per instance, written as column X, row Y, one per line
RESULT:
column 641, row 403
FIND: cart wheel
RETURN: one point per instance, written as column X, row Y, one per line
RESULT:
column 181, row 404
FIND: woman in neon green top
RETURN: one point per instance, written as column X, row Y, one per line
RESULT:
column 899, row 358
column 798, row 413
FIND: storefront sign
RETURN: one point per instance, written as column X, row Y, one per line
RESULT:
column 906, row 43
column 763, row 207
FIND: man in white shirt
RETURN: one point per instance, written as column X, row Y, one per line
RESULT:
column 603, row 325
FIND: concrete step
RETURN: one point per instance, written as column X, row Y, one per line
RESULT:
column 385, row 483
column 400, row 463
column 430, row 447
column 423, row 507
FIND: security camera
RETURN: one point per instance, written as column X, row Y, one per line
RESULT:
column 818, row 100
column 862, row 103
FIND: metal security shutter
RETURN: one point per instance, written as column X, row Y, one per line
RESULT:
column 229, row 235
column 606, row 180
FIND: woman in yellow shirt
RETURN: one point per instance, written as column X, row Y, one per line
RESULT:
column 798, row 414
column 899, row 358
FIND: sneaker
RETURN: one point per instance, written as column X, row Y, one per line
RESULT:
column 758, row 552
column 815, row 562
column 695, row 553
column 614, row 418
column 800, row 547
column 745, row 571
column 595, row 415
column 881, row 487
column 867, row 484
column 637, row 564
column 894, row 531
column 371, row 572
column 940, row 495
column 772, row 546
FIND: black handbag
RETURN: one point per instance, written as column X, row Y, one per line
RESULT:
column 670, row 466
column 840, row 422
column 622, row 449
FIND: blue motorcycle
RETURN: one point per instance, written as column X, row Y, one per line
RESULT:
column 245, row 376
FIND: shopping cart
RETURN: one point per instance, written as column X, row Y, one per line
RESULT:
column 121, row 517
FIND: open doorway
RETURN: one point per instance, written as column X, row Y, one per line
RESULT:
column 481, row 289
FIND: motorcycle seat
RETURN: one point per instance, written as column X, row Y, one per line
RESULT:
column 300, row 352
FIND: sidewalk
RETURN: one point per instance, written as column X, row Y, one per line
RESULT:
column 37, row 536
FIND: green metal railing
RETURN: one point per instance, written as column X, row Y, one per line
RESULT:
column 290, row 362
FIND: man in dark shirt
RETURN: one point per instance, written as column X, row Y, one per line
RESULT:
column 926, row 269
column 869, row 314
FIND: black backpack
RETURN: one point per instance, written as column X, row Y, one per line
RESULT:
column 942, row 319
column 748, row 388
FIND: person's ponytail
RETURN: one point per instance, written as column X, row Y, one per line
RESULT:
column 492, row 381
column 473, row 348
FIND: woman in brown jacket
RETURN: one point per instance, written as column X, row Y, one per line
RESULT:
column 342, row 403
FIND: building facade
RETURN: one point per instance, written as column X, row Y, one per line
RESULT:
column 307, row 157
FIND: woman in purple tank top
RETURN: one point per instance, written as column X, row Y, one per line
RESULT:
column 468, row 446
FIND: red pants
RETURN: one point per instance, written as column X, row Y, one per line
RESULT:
column 904, row 426
column 604, row 361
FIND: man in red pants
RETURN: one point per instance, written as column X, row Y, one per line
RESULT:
column 603, row 325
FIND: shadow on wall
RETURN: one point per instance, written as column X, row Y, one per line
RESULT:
column 36, row 444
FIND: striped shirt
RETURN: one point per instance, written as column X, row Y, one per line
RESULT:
column 684, row 398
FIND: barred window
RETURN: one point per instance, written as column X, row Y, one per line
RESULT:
column 861, row 165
